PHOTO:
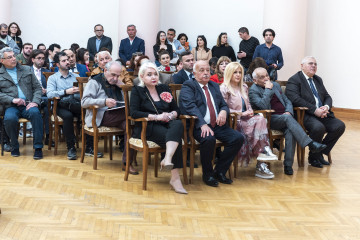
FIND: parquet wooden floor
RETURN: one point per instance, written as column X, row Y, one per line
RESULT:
column 55, row 198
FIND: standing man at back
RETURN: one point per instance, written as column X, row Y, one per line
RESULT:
column 270, row 53
column 131, row 45
column 176, row 45
column 98, row 41
column 246, row 47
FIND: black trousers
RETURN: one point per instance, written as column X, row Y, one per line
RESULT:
column 317, row 127
column 233, row 141
column 68, row 125
column 171, row 131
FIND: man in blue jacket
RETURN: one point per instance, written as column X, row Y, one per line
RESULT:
column 131, row 45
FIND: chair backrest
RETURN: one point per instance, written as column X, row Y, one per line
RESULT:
column 127, row 90
column 175, row 91
column 91, row 64
column 82, row 82
column 52, row 69
column 88, row 74
column 47, row 75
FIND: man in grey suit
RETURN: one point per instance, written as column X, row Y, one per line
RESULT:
column 98, row 41
column 265, row 94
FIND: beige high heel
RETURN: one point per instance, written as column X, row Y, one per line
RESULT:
column 166, row 167
column 178, row 189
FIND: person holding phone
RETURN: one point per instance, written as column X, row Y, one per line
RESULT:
column 183, row 39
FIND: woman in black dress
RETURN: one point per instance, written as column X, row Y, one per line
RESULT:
column 222, row 48
column 155, row 102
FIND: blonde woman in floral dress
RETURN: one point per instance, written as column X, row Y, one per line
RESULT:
column 235, row 93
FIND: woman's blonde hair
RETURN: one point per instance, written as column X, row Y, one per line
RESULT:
column 217, row 69
column 142, row 70
column 228, row 74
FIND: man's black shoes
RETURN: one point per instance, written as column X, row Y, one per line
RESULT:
column 210, row 181
column 288, row 170
column 72, row 153
column 221, row 178
column 38, row 154
column 15, row 152
column 315, row 163
column 316, row 147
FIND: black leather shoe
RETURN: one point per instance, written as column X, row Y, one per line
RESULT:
column 288, row 170
column 323, row 161
column 316, row 147
column 188, row 164
column 315, row 163
column 210, row 181
column 221, row 178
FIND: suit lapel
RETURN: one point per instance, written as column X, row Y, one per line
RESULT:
column 197, row 85
column 304, row 82
column 213, row 94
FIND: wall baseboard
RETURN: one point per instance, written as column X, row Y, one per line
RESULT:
column 346, row 113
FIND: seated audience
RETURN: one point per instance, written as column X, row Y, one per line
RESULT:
column 133, row 66
column 104, row 91
column 155, row 102
column 164, row 58
column 212, row 63
column 222, row 48
column 75, row 47
column 20, row 91
column 218, row 77
column 178, row 66
column 37, row 62
column 41, row 47
column 83, row 57
column 74, row 66
column 14, row 32
column 254, row 127
column 176, row 45
column 306, row 89
column 202, row 98
column 61, row 84
column 161, row 43
column 256, row 63
column 183, row 39
column 24, row 57
column 5, row 38
column 265, row 94
column 102, row 58
column 51, row 51
column 186, row 72
column 201, row 52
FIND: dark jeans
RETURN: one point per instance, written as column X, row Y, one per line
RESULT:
column 11, row 120
column 233, row 141
column 68, row 125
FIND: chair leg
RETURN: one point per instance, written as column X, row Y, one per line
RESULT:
column 186, row 181
column 281, row 148
column 24, row 133
column 105, row 144
column 298, row 154
column 56, row 138
column 110, row 147
column 76, row 135
column 145, row 167
column 329, row 158
column 83, row 146
column 236, row 164
column 156, row 163
column 127, row 167
column 96, row 140
column 192, row 160
column 50, row 135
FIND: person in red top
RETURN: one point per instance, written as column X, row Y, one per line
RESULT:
column 218, row 77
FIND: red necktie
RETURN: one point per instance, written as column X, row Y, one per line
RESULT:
column 211, row 107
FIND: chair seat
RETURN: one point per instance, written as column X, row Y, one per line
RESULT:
column 60, row 119
column 103, row 129
column 138, row 143
column 217, row 142
column 23, row 120
column 276, row 133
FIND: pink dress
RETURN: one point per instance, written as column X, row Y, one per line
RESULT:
column 254, row 128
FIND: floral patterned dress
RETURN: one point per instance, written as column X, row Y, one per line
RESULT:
column 254, row 128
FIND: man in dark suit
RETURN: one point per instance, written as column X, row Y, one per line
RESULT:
column 131, row 45
column 306, row 89
column 186, row 73
column 202, row 98
column 98, row 41
column 74, row 66
column 265, row 94
column 37, row 62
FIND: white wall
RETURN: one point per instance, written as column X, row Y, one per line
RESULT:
column 212, row 17
column 5, row 14
column 65, row 22
column 332, row 36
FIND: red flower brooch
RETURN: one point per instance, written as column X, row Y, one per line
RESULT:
column 166, row 96
column 167, row 69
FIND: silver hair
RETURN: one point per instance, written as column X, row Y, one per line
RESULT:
column 101, row 53
column 305, row 59
column 131, row 25
column 109, row 64
column 254, row 74
column 197, row 63
column 4, row 50
column 3, row 25
column 142, row 70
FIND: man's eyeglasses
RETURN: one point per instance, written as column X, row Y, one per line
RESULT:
column 9, row 57
column 40, row 58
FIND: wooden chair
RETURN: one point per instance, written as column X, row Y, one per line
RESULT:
column 142, row 145
column 94, row 130
column 88, row 74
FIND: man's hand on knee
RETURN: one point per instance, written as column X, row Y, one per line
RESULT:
column 30, row 105
column 206, row 131
column 19, row 101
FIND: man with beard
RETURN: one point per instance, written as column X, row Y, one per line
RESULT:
column 74, row 66
column 20, row 92
column 23, row 57
column 270, row 53
column 5, row 38
column 61, row 84
column 186, row 73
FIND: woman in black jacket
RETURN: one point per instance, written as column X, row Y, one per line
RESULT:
column 155, row 102
column 222, row 48
column 161, row 43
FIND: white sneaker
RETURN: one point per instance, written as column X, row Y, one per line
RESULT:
column 262, row 171
column 267, row 155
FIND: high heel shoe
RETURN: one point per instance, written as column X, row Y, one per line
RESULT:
column 178, row 189
column 166, row 167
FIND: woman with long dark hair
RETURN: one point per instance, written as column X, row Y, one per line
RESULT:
column 201, row 52
column 161, row 44
column 222, row 48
